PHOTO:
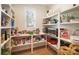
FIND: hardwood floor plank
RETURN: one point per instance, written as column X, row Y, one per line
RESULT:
column 37, row 51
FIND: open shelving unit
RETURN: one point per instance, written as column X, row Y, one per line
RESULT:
column 53, row 36
column 71, row 24
column 5, row 28
column 52, row 28
column 30, row 43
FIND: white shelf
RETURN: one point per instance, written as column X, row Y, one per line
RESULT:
column 12, row 27
column 67, row 40
column 5, row 13
column 7, row 16
column 51, row 29
column 69, row 23
column 28, row 43
column 21, row 45
column 5, row 27
column 39, row 34
column 53, row 46
column 74, row 37
column 39, row 41
column 5, row 42
column 50, row 24
column 20, row 35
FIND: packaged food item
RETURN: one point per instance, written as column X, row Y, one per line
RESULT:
column 65, row 34
column 5, row 51
column 73, row 49
column 46, row 21
column 12, row 42
column 3, row 38
column 64, row 50
column 37, row 31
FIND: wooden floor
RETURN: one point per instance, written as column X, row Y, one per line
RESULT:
column 37, row 51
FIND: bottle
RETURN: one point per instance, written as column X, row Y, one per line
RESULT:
column 5, row 35
column 3, row 22
column 12, row 23
column 3, row 38
column 65, row 34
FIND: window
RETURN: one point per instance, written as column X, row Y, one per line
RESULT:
column 31, row 18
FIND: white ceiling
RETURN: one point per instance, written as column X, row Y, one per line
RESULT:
column 46, row 5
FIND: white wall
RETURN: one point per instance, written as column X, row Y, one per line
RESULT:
column 59, row 8
column 20, row 15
